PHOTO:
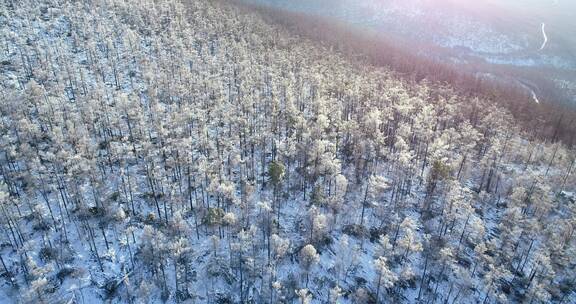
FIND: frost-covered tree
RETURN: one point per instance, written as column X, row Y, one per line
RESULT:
column 308, row 258
column 386, row 277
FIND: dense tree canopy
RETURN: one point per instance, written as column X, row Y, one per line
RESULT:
column 185, row 150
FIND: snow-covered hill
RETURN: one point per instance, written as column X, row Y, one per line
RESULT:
column 187, row 151
column 479, row 36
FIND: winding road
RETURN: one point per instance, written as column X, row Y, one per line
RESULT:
column 545, row 36
column 529, row 88
column 534, row 97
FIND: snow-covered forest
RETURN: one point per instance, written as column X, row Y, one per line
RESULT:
column 177, row 151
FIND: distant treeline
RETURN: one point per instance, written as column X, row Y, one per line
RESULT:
column 553, row 118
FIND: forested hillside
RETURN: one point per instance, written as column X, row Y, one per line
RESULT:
column 187, row 151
